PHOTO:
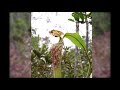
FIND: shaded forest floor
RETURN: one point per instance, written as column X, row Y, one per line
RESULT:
column 101, row 56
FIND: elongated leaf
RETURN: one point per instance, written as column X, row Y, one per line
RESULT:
column 76, row 39
column 71, row 20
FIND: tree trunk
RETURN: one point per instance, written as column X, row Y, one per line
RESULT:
column 76, row 52
column 87, row 39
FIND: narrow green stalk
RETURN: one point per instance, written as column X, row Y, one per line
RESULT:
column 89, row 68
column 90, row 64
column 57, row 72
column 81, row 67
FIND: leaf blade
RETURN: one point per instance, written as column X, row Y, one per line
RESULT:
column 71, row 20
column 76, row 16
column 76, row 39
column 81, row 16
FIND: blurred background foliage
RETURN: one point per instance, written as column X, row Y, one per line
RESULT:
column 101, row 23
column 20, row 28
column 20, row 44
column 19, row 23
column 40, row 58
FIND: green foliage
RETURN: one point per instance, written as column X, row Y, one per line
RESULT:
column 76, row 39
column 80, row 17
column 19, row 23
column 40, row 58
column 71, row 20
column 35, row 41
column 101, row 22
column 76, row 16
column 68, row 63
column 41, row 62
column 20, row 44
column 19, row 30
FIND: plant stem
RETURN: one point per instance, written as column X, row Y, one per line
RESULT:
column 90, row 64
column 57, row 72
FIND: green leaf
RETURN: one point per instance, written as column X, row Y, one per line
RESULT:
column 37, row 53
column 76, row 39
column 81, row 16
column 76, row 16
column 71, row 20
